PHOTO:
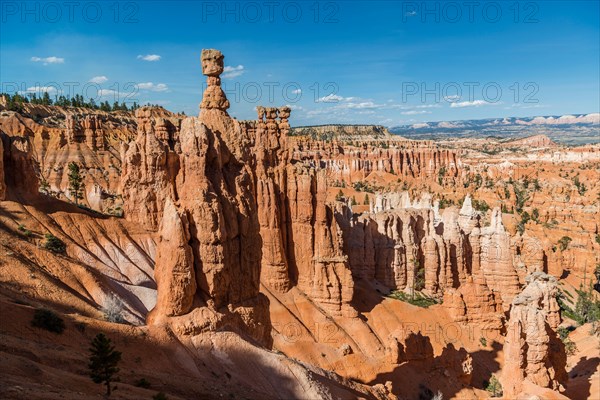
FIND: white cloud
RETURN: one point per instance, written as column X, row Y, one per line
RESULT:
column 108, row 93
column 360, row 106
column 452, row 98
column 428, row 106
column 39, row 89
column 149, row 57
column 297, row 91
column 415, row 112
column 295, row 107
column 99, row 79
column 159, row 87
column 48, row 60
column 330, row 98
column 475, row 103
column 232, row 72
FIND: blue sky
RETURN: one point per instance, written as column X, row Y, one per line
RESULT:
column 383, row 62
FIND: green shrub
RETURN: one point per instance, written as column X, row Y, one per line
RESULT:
column 24, row 230
column 480, row 205
column 494, row 387
column 48, row 320
column 570, row 346
column 564, row 242
column 54, row 244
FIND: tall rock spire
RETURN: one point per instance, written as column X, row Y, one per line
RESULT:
column 212, row 67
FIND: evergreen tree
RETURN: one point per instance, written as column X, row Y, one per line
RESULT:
column 75, row 182
column 103, row 361
column 46, row 99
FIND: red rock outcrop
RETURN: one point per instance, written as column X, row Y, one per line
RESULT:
column 474, row 302
column 2, row 184
column 270, row 177
column 85, row 129
column 202, row 190
column 174, row 272
column 319, row 264
column 20, row 169
column 532, row 350
column 150, row 165
column 496, row 260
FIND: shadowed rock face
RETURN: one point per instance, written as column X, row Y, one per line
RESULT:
column 532, row 350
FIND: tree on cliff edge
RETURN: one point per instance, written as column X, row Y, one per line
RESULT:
column 103, row 361
column 75, row 182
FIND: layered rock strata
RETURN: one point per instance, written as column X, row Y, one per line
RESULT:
column 353, row 161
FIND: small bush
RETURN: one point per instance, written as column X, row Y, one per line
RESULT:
column 564, row 242
column 48, row 320
column 570, row 346
column 483, row 341
column 113, row 311
column 80, row 326
column 143, row 383
column 160, row 396
column 494, row 387
column 26, row 232
column 480, row 205
column 54, row 244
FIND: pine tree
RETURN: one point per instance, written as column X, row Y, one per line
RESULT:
column 103, row 361
column 75, row 182
column 46, row 99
